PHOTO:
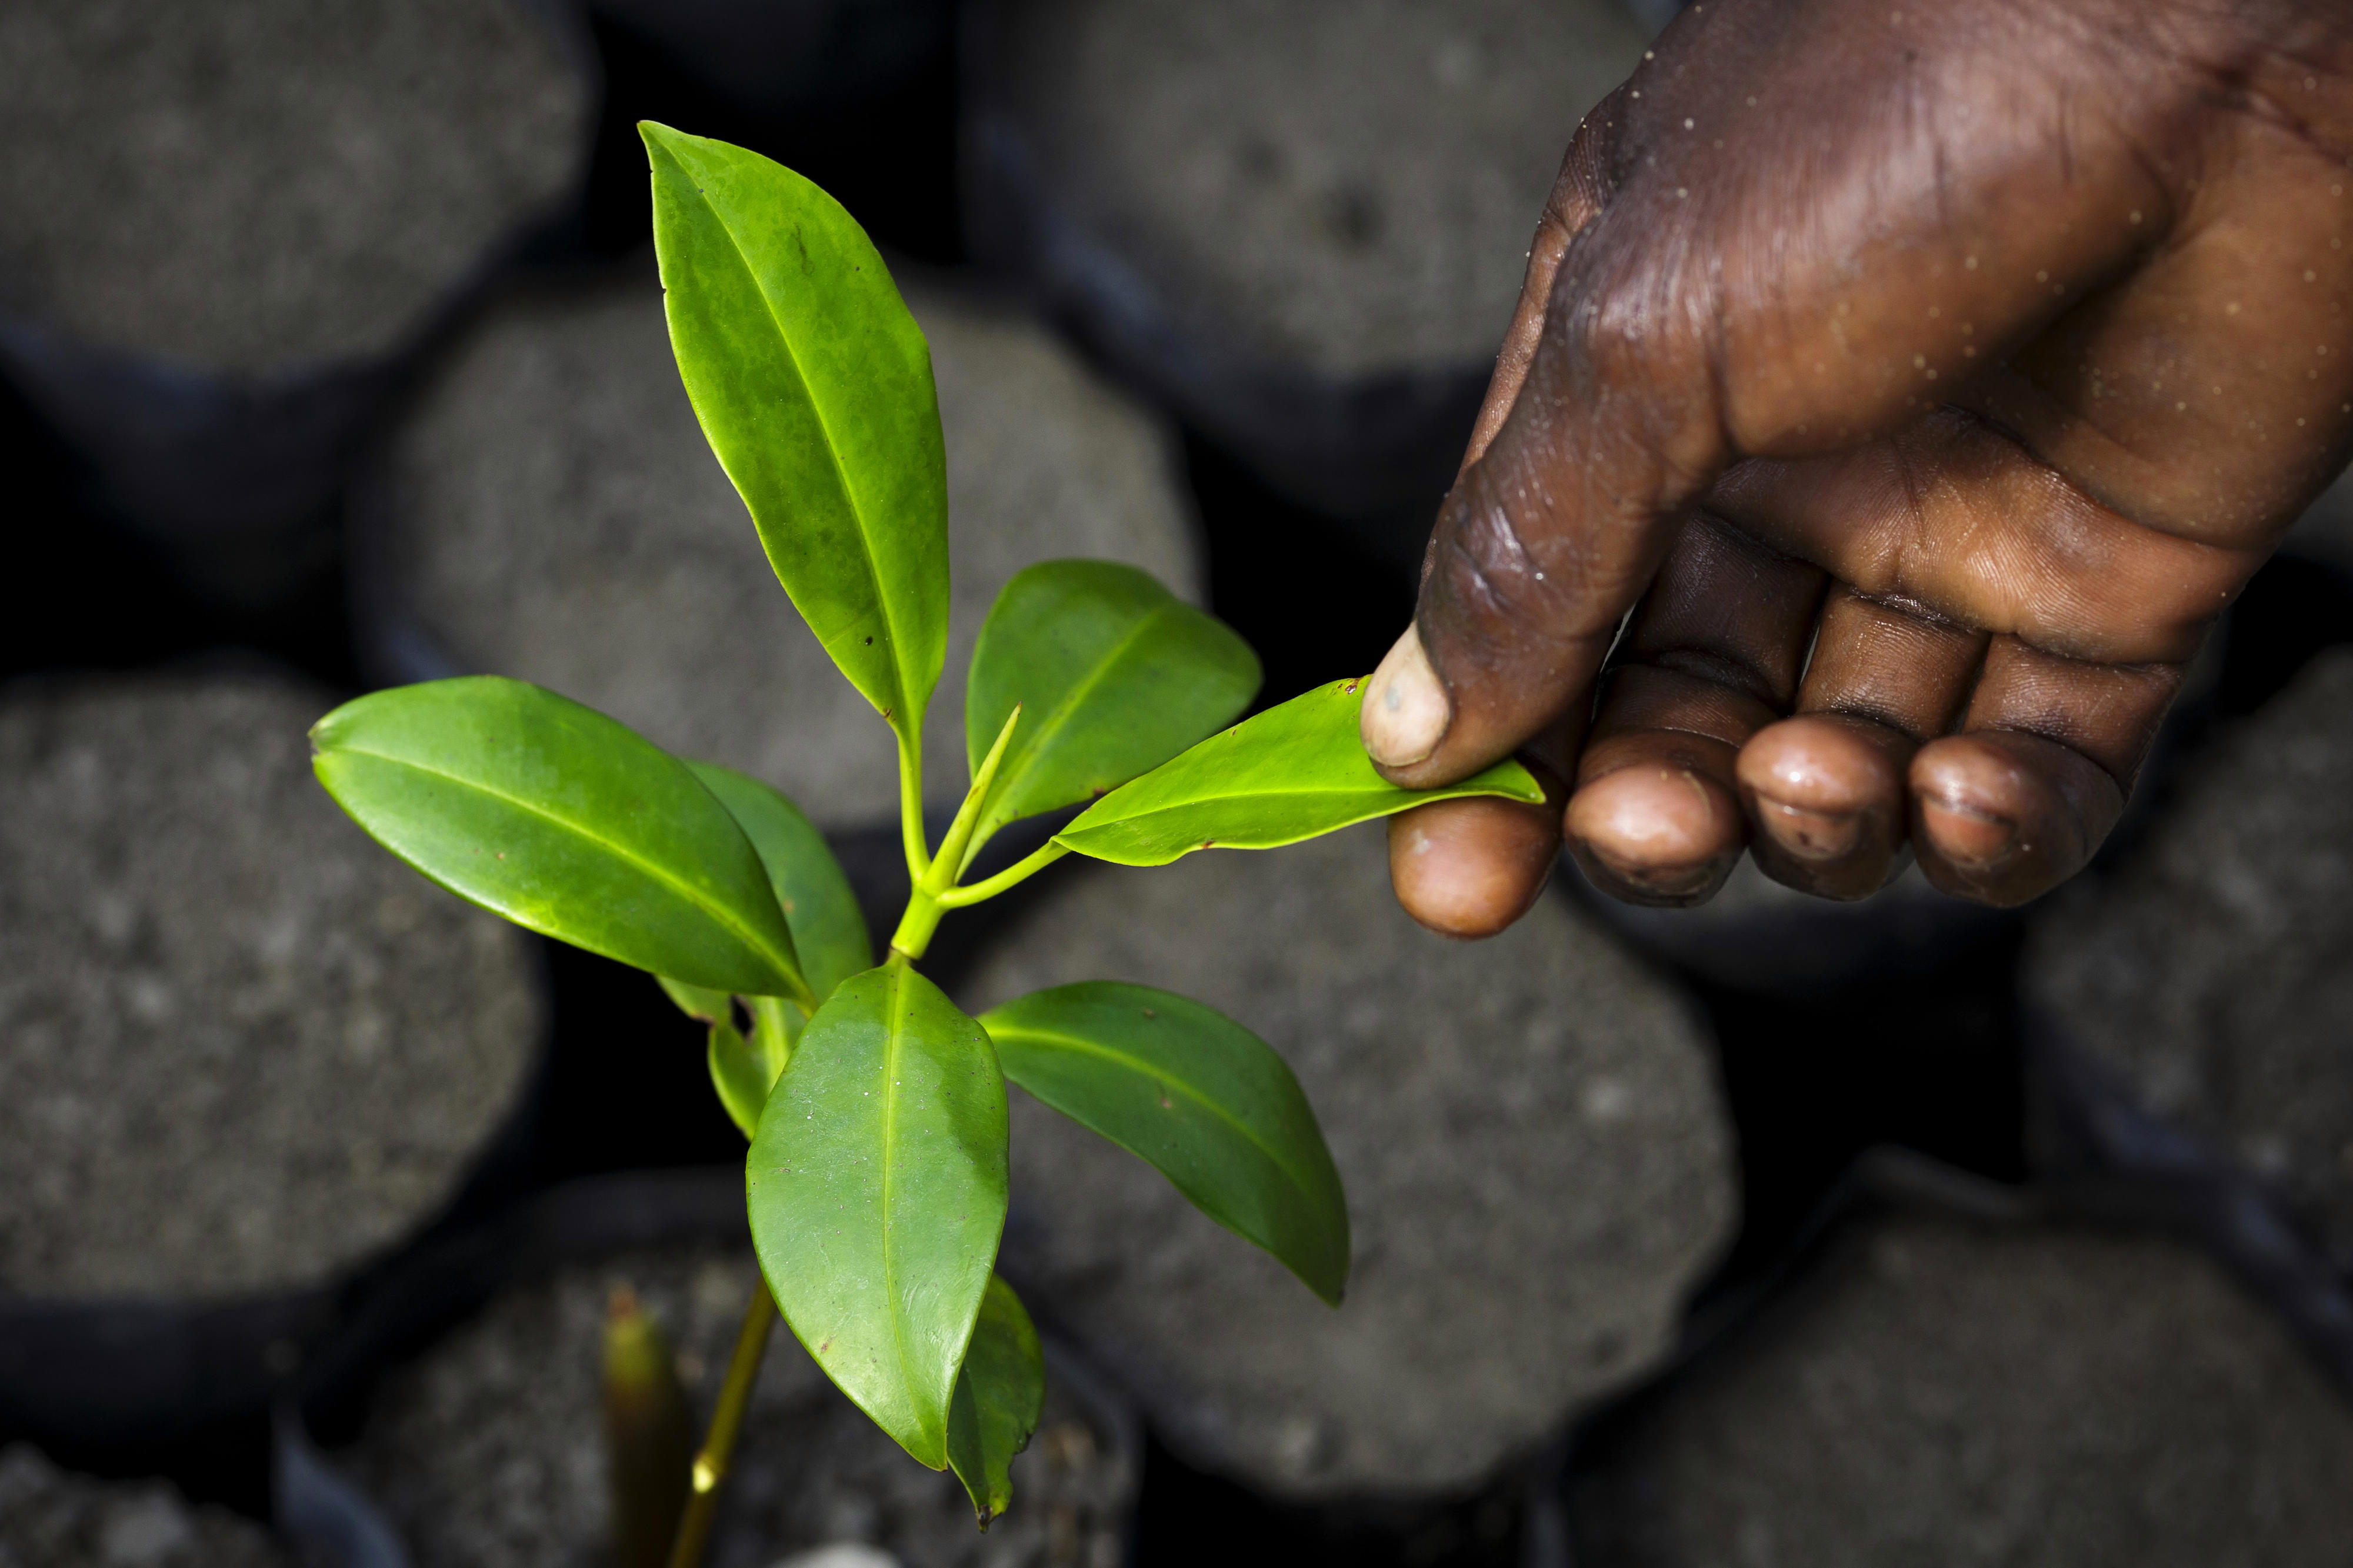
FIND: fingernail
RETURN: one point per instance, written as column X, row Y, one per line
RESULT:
column 1810, row 835
column 1964, row 837
column 1405, row 713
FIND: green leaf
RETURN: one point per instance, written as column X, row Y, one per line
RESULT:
column 695, row 1001
column 999, row 1395
column 739, row 1071
column 1115, row 675
column 1198, row 1095
column 814, row 386
column 563, row 821
column 1293, row 771
column 877, row 1187
column 829, row 929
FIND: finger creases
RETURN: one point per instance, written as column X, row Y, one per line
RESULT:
column 1953, row 515
column 1711, row 656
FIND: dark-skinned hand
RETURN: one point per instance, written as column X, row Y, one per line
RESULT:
column 1898, row 394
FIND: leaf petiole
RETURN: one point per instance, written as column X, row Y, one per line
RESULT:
column 958, row 846
column 1020, row 870
column 911, row 807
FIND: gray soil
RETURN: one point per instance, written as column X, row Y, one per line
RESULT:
column 1941, row 1394
column 241, row 1046
column 1537, row 1161
column 554, row 513
column 250, row 186
column 2215, row 971
column 51, row 1518
column 1346, row 186
column 490, row 1450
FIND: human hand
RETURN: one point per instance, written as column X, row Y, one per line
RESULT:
column 1924, row 378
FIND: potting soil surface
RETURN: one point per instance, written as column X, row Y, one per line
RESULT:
column 2213, row 970
column 1941, row 1391
column 488, row 1449
column 1344, row 185
column 250, row 186
column 50, row 1517
column 240, row 1045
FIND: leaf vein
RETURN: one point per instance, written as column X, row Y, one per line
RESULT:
column 716, row 911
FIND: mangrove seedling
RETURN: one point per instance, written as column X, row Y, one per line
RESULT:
column 875, row 1107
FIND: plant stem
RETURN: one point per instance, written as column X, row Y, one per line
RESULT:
column 911, row 807
column 1020, row 870
column 719, row 1443
column 916, row 926
column 959, row 846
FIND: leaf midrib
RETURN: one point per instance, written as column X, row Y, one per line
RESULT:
column 1143, row 1069
column 1133, row 817
column 1061, row 717
column 891, row 1036
column 833, row 450
column 718, row 912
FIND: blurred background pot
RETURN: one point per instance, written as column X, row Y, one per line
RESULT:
column 1968, row 1374
column 248, row 1056
column 226, row 229
column 1303, row 226
column 488, row 1446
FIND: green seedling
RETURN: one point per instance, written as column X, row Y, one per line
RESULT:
column 875, row 1107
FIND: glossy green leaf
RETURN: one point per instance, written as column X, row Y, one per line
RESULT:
column 739, row 1072
column 814, row 386
column 877, row 1187
column 999, row 1395
column 829, row 929
column 1115, row 675
column 696, row 1002
column 1293, row 771
column 1200, row 1098
column 562, row 821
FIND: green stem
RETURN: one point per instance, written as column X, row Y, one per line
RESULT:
column 1020, row 870
column 719, row 1443
column 916, row 926
column 911, row 807
column 959, row 846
